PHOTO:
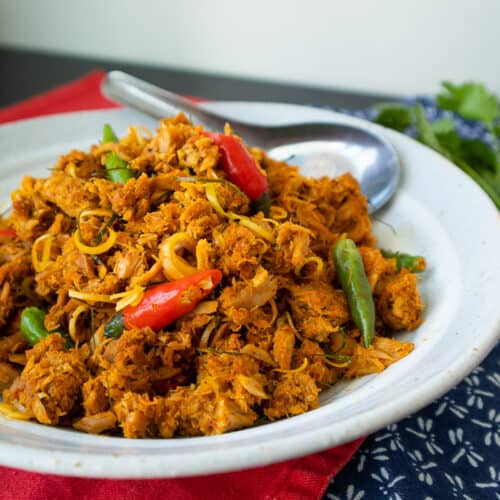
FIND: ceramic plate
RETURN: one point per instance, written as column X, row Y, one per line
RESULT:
column 438, row 212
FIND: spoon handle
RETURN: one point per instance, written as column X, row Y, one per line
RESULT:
column 153, row 100
column 159, row 103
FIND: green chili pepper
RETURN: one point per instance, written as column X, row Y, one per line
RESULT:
column 108, row 134
column 414, row 263
column 351, row 273
column 116, row 168
column 33, row 327
column 32, row 324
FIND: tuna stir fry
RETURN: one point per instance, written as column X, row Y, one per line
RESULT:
column 183, row 284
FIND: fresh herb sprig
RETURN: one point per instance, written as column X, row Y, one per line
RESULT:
column 472, row 101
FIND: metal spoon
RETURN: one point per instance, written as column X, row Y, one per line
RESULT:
column 323, row 148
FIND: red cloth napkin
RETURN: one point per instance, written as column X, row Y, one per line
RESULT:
column 79, row 95
column 304, row 478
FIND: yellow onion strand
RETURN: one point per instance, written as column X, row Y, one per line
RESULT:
column 129, row 298
column 97, row 212
column 211, row 193
column 90, row 297
column 278, row 213
column 39, row 264
column 337, row 365
column 174, row 266
column 102, row 247
column 81, row 309
column 210, row 190
column 98, row 249
column 12, row 412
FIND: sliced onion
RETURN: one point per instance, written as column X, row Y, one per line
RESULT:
column 252, row 386
column 98, row 249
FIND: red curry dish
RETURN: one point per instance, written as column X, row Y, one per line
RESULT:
column 183, row 284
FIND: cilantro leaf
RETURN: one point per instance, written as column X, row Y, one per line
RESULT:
column 475, row 152
column 446, row 134
column 493, row 180
column 479, row 155
column 471, row 100
column 395, row 116
column 480, row 160
column 444, row 139
column 496, row 131
column 425, row 132
column 443, row 126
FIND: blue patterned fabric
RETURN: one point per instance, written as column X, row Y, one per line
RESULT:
column 451, row 448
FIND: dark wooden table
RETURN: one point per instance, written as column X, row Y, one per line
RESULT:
column 25, row 73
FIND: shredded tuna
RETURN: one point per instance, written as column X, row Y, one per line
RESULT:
column 268, row 339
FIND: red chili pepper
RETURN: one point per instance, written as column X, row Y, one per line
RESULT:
column 8, row 233
column 163, row 304
column 242, row 169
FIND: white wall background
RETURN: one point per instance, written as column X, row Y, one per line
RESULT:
column 388, row 46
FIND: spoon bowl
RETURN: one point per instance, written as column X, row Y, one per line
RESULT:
column 326, row 148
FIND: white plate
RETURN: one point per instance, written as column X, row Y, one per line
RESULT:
column 438, row 212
